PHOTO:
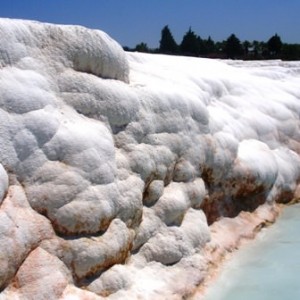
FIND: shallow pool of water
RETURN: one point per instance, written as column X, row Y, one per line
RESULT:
column 267, row 268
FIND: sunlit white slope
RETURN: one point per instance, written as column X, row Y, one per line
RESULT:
column 114, row 162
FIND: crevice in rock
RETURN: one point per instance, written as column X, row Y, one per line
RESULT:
column 97, row 270
column 117, row 129
column 79, row 236
column 84, row 282
column 12, row 279
column 215, row 207
column 223, row 201
column 64, row 233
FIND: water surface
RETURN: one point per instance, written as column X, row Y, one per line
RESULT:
column 268, row 268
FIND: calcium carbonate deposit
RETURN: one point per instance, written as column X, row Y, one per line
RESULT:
column 114, row 164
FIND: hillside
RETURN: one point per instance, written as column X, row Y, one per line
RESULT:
column 114, row 164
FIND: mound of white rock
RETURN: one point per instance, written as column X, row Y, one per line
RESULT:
column 114, row 163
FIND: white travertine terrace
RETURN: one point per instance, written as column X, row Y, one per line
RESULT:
column 113, row 164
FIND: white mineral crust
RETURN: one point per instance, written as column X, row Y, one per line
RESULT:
column 113, row 163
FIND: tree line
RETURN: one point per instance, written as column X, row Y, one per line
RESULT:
column 193, row 45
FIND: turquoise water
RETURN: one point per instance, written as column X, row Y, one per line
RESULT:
column 268, row 268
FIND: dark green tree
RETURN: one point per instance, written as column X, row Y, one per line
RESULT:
column 190, row 44
column 260, row 50
column 167, row 43
column 290, row 52
column 207, row 46
column 142, row 47
column 233, row 47
column 246, row 46
column 256, row 48
column 274, row 45
column 220, row 46
column 210, row 45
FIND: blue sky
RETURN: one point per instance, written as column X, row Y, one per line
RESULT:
column 133, row 21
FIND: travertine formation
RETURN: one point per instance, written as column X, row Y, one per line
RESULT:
column 113, row 164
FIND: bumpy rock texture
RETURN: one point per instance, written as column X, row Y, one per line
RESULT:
column 113, row 164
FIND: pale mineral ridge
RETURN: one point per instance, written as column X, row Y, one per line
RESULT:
column 114, row 164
